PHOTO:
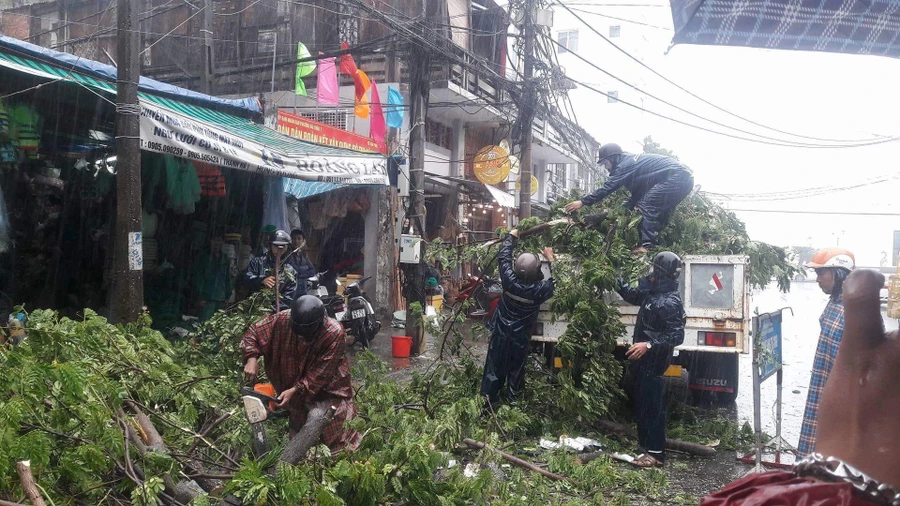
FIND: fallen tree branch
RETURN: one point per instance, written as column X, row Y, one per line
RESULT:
column 297, row 448
column 478, row 445
column 208, row 428
column 28, row 485
column 671, row 444
column 184, row 384
column 7, row 503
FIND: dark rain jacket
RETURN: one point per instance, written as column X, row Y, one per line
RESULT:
column 262, row 267
column 638, row 173
column 660, row 321
column 518, row 309
column 304, row 268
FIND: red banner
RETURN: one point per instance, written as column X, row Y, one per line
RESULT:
column 320, row 133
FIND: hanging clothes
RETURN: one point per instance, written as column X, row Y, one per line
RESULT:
column 275, row 203
column 26, row 129
column 212, row 181
column 182, row 185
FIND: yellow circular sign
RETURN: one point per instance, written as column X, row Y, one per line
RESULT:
column 534, row 184
column 491, row 164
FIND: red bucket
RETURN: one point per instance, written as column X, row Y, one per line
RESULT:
column 401, row 346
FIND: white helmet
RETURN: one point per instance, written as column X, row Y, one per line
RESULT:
column 833, row 257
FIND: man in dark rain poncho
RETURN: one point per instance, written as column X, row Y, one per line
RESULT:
column 524, row 290
column 658, row 330
column 657, row 184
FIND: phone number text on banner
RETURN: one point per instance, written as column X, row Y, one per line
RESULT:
column 168, row 132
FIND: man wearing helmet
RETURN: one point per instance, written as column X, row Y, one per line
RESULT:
column 524, row 290
column 305, row 356
column 261, row 271
column 299, row 261
column 657, row 184
column 832, row 266
column 659, row 328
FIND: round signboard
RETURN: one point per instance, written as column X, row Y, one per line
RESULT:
column 491, row 164
column 534, row 184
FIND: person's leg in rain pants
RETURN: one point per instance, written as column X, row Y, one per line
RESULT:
column 496, row 367
column 659, row 203
column 518, row 354
column 650, row 410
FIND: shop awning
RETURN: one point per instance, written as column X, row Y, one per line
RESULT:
column 503, row 198
column 187, row 130
column 838, row 26
column 300, row 189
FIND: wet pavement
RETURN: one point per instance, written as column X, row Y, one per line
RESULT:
column 693, row 475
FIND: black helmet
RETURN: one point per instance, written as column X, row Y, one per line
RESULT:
column 607, row 151
column 666, row 265
column 280, row 238
column 528, row 268
column 307, row 315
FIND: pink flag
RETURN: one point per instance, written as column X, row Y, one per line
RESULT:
column 377, row 128
column 327, row 84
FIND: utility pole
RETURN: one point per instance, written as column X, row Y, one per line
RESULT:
column 207, row 55
column 128, row 254
column 420, row 79
column 526, row 112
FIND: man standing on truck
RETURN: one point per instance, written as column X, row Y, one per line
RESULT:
column 832, row 266
column 657, row 184
column 658, row 330
column 524, row 290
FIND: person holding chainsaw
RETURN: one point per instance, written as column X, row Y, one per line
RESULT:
column 658, row 330
column 261, row 271
column 657, row 184
column 524, row 290
column 305, row 354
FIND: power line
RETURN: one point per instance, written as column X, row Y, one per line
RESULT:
column 717, row 123
column 666, row 79
column 829, row 213
column 624, row 20
column 802, row 193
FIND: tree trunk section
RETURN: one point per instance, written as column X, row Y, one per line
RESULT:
column 319, row 416
column 28, row 484
column 671, row 444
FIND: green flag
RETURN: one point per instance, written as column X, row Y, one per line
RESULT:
column 304, row 68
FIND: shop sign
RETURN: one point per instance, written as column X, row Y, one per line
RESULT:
column 534, row 185
column 168, row 132
column 321, row 133
column 491, row 164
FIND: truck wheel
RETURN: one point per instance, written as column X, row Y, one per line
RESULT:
column 713, row 378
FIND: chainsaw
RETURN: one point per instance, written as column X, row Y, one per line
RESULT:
column 260, row 404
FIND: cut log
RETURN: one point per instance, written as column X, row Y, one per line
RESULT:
column 155, row 442
column 8, row 503
column 584, row 458
column 318, row 417
column 478, row 445
column 671, row 444
column 28, row 484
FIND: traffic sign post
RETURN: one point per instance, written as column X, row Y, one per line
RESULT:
column 767, row 361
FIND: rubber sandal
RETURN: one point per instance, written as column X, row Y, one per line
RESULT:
column 646, row 461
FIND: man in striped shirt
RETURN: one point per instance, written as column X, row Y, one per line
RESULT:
column 832, row 266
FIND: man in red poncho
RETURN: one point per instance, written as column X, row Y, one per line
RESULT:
column 306, row 361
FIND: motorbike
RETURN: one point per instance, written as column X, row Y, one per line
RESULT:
column 359, row 317
column 484, row 292
column 334, row 304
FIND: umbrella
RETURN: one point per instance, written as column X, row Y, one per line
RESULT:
column 836, row 26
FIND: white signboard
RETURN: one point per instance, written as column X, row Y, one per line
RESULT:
column 166, row 131
column 135, row 251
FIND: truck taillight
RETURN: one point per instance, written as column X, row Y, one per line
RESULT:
column 728, row 339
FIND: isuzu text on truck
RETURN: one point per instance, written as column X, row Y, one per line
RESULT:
column 716, row 295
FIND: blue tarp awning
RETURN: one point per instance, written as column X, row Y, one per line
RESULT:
column 837, row 26
column 300, row 189
column 108, row 73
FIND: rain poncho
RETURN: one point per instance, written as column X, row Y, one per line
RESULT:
column 657, row 184
column 262, row 267
column 660, row 322
column 511, row 327
column 304, row 269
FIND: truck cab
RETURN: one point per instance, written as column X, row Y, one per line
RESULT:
column 715, row 290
